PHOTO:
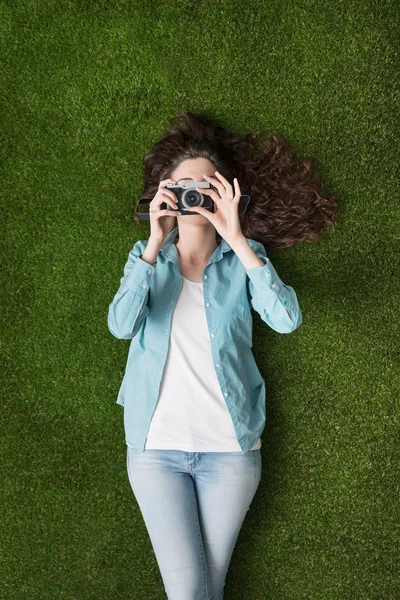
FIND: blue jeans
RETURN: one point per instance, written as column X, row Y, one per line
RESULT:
column 193, row 505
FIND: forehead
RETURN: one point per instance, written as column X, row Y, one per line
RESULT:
column 193, row 169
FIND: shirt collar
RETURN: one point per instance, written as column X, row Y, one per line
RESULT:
column 169, row 249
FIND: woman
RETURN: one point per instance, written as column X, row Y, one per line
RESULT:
column 193, row 397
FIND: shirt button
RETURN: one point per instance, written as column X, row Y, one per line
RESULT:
column 149, row 272
column 208, row 304
column 274, row 285
column 144, row 285
column 217, row 365
column 226, row 393
column 212, row 335
column 205, row 276
column 267, row 273
column 286, row 303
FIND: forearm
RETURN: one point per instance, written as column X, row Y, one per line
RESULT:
column 275, row 301
column 246, row 254
column 151, row 251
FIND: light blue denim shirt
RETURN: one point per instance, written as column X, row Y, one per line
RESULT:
column 142, row 310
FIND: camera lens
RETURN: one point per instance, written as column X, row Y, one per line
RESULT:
column 192, row 198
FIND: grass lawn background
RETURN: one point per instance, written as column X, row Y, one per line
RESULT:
column 86, row 88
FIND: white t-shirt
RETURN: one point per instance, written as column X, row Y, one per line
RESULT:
column 191, row 412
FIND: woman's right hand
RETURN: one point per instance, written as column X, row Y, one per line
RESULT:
column 161, row 221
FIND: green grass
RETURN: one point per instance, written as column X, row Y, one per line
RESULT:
column 86, row 88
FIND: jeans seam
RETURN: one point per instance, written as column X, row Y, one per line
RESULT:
column 255, row 471
column 204, row 562
column 129, row 470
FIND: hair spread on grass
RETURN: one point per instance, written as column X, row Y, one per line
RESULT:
column 288, row 204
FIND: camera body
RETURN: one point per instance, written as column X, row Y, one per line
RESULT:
column 188, row 197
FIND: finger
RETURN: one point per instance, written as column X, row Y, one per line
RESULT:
column 173, row 209
column 165, row 211
column 211, row 193
column 228, row 187
column 169, row 193
column 202, row 211
column 216, row 183
column 171, row 201
column 164, row 182
column 166, row 201
column 165, row 196
column 237, row 190
column 161, row 199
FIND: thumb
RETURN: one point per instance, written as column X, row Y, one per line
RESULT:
column 200, row 210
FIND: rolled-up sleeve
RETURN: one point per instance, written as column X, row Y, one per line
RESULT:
column 129, row 306
column 274, row 301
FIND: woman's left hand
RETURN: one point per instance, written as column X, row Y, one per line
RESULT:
column 226, row 217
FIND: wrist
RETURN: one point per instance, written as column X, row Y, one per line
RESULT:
column 151, row 251
column 154, row 242
column 237, row 241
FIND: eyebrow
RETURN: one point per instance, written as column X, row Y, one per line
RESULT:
column 183, row 179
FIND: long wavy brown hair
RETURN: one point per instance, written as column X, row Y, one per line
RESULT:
column 287, row 203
